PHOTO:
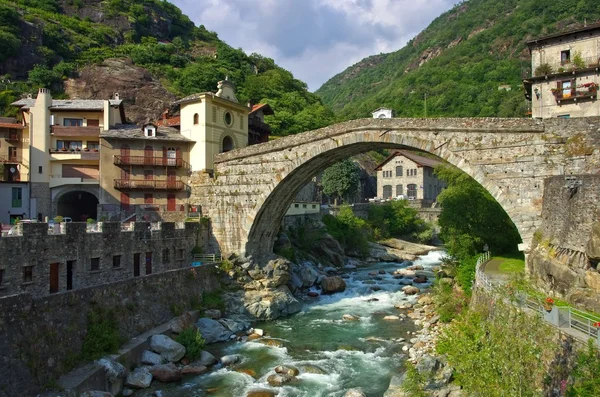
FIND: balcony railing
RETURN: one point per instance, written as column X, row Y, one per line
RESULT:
column 147, row 184
column 557, row 67
column 79, row 154
column 574, row 96
column 58, row 130
column 151, row 161
column 13, row 136
column 259, row 125
column 11, row 159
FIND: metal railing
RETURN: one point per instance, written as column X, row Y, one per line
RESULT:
column 576, row 323
column 150, row 161
column 208, row 258
column 148, row 184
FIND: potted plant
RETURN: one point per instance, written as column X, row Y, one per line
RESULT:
column 548, row 303
column 77, row 149
column 94, row 150
column 64, row 149
column 86, row 150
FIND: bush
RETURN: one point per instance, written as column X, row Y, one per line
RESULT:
column 193, row 342
column 102, row 334
column 448, row 301
column 414, row 383
column 543, row 70
column 213, row 301
column 465, row 273
column 351, row 231
column 586, row 375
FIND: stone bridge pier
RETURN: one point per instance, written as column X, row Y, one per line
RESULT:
column 253, row 187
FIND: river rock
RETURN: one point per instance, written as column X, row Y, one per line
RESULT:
column 420, row 279
column 333, row 284
column 410, row 290
column 259, row 332
column 229, row 360
column 115, row 372
column 127, row 392
column 311, row 369
column 193, row 370
column 425, row 300
column 329, row 270
column 252, row 337
column 312, row 294
column 349, row 267
column 387, row 257
column 279, row 379
column 213, row 331
column 215, row 314
column 391, row 318
column 140, row 378
column 181, row 322
column 261, row 393
column 329, row 249
column 277, row 272
column 271, row 304
column 167, row 347
column 350, row 317
column 166, row 373
column 95, row 393
column 287, row 370
column 355, row 393
column 295, row 281
column 235, row 326
column 205, row 359
column 151, row 358
column 272, row 342
column 416, row 267
column 405, row 281
column 308, row 274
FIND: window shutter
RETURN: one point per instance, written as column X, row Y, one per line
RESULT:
column 573, row 89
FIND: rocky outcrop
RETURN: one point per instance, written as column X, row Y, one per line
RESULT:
column 166, row 373
column 144, row 97
column 213, row 331
column 140, row 378
column 270, row 304
column 115, row 375
column 328, row 249
column 592, row 249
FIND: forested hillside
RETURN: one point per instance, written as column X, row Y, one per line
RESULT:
column 50, row 42
column 468, row 62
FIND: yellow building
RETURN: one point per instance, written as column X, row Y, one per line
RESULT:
column 564, row 80
column 63, row 152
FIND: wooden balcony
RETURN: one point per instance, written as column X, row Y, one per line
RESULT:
column 148, row 184
column 58, row 130
column 258, row 125
column 575, row 96
column 151, row 161
column 11, row 159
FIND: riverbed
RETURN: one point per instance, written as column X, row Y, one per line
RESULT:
column 339, row 354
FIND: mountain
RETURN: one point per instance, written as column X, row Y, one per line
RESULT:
column 146, row 50
column 468, row 62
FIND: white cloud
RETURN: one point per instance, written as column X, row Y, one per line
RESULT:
column 315, row 39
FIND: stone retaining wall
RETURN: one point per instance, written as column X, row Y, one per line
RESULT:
column 41, row 339
column 93, row 258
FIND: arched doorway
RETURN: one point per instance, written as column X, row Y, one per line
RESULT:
column 227, row 144
column 78, row 205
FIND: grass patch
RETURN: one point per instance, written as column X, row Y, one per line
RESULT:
column 102, row 334
column 511, row 264
column 193, row 342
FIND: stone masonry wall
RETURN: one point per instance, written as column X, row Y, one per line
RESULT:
column 158, row 249
column 41, row 339
column 560, row 261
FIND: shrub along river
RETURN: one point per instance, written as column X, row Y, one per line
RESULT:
column 331, row 353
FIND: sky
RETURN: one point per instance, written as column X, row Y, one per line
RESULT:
column 315, row 39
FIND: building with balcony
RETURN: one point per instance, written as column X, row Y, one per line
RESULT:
column 258, row 130
column 410, row 176
column 61, row 152
column 565, row 74
column 144, row 168
column 14, row 170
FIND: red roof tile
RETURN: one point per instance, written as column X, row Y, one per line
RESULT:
column 420, row 160
column 265, row 106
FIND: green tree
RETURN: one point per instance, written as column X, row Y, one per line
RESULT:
column 394, row 219
column 586, row 375
column 351, row 231
column 341, row 179
column 471, row 217
column 497, row 350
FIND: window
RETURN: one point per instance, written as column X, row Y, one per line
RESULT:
column 565, row 57
column 72, row 122
column 303, row 205
column 180, row 254
column 93, row 145
column 165, row 255
column 69, row 145
column 149, row 130
column 314, row 206
column 40, row 169
column 148, row 175
column 387, row 174
column 411, row 191
column 296, row 205
column 564, row 116
column 17, row 197
column 196, row 119
column 227, row 144
column 117, row 261
column 94, row 264
column 387, row 191
column 148, row 199
column 399, row 190
column 28, row 274
column 12, row 153
column 214, row 114
column 148, row 263
column 399, row 171
column 1, row 277
column 228, row 119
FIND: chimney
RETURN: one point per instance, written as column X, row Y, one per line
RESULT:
column 117, row 96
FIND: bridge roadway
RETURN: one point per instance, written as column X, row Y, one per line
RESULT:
column 253, row 187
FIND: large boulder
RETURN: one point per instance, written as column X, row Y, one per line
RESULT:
column 115, row 374
column 151, row 358
column 355, row 393
column 277, row 272
column 140, row 378
column 167, row 348
column 166, row 373
column 593, row 245
column 329, row 249
column 235, row 326
column 213, row 331
column 308, row 274
column 333, row 284
column 182, row 322
column 271, row 304
column 279, row 379
column 205, row 359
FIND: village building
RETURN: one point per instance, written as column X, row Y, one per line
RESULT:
column 14, row 170
column 405, row 175
column 383, row 113
column 564, row 80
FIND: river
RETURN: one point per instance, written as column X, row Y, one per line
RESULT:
column 363, row 353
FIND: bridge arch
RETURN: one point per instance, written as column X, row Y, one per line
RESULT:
column 508, row 157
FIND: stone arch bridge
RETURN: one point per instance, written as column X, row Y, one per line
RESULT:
column 253, row 187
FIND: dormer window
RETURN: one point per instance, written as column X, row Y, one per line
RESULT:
column 150, row 130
